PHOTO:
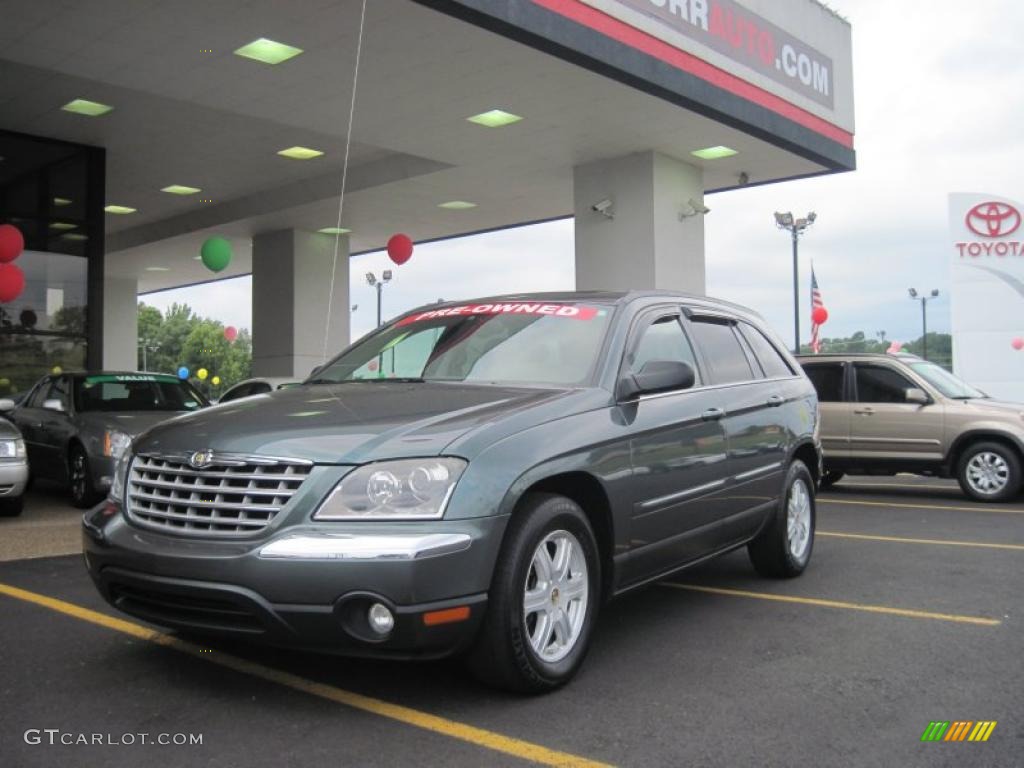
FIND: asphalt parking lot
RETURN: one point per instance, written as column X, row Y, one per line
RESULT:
column 909, row 613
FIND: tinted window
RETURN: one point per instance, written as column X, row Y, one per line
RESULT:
column 773, row 364
column 135, row 392
column 663, row 340
column 877, row 384
column 722, row 351
column 59, row 392
column 236, row 393
column 827, row 379
column 38, row 395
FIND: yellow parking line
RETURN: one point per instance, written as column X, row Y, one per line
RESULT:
column 915, row 486
column 987, row 508
column 480, row 737
column 837, row 604
column 901, row 540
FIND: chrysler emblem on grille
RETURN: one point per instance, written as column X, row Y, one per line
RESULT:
column 201, row 459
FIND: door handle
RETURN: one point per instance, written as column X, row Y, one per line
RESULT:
column 864, row 411
column 712, row 414
column 776, row 400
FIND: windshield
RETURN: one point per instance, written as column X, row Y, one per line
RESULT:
column 508, row 343
column 135, row 392
column 945, row 382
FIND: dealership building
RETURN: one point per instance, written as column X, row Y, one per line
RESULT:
column 131, row 132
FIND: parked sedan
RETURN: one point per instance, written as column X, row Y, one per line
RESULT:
column 259, row 386
column 13, row 464
column 473, row 477
column 76, row 425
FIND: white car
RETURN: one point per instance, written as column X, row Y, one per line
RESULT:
column 13, row 465
column 259, row 386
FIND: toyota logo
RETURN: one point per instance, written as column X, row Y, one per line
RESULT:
column 993, row 219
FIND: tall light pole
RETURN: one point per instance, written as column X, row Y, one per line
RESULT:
column 147, row 345
column 924, row 316
column 795, row 227
column 373, row 282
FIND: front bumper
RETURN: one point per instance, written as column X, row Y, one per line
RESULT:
column 13, row 477
column 308, row 586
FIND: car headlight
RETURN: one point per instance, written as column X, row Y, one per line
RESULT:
column 115, row 442
column 407, row 489
column 116, row 492
column 13, row 448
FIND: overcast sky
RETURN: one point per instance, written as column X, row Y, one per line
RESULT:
column 940, row 108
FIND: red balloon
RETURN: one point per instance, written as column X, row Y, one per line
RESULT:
column 1017, row 343
column 231, row 333
column 11, row 243
column 400, row 248
column 819, row 315
column 12, row 282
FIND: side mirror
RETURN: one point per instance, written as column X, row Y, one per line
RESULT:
column 53, row 405
column 917, row 395
column 6, row 405
column 657, row 376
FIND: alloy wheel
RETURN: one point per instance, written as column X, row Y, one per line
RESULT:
column 798, row 519
column 987, row 473
column 556, row 594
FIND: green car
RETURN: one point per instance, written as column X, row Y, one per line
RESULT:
column 473, row 478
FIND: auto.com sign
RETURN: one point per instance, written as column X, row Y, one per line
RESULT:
column 987, row 291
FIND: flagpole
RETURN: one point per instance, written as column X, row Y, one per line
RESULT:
column 796, row 294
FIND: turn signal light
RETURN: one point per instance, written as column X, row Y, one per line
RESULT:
column 447, row 616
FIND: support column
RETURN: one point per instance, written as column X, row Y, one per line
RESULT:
column 640, row 241
column 120, row 324
column 291, row 278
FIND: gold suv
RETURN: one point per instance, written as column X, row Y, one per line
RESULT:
column 883, row 414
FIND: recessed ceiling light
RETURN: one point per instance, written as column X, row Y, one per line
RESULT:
column 119, row 209
column 457, row 205
column 63, row 226
column 180, row 189
column 300, row 153
column 268, row 51
column 158, row 269
column 60, row 201
column 714, row 153
column 86, row 107
column 334, row 231
column 494, row 118
column 76, row 236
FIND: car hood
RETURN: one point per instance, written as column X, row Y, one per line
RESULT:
column 995, row 408
column 133, row 423
column 353, row 422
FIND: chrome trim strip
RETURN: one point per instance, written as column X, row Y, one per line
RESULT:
column 908, row 440
column 226, row 459
column 365, row 547
column 759, row 471
column 709, row 387
column 679, row 495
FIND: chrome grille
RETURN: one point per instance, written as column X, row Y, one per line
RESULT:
column 233, row 496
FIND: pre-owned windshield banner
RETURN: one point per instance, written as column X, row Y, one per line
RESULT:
column 571, row 311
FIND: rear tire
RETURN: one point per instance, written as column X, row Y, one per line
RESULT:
column 783, row 548
column 989, row 472
column 830, row 478
column 83, row 494
column 12, row 507
column 543, row 599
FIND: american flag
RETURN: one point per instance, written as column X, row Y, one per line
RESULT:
column 815, row 303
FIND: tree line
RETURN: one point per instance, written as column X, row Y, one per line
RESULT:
column 940, row 346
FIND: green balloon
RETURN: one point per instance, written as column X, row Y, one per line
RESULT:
column 216, row 253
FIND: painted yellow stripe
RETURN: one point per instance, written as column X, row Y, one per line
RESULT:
column 906, row 612
column 978, row 730
column 901, row 540
column 994, row 508
column 480, row 737
column 988, row 731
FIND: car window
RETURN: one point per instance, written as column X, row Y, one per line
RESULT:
column 721, row 348
column 260, row 388
column 35, row 398
column 135, row 392
column 58, row 391
column 664, row 339
column 236, row 393
column 773, row 363
column 827, row 379
column 881, row 384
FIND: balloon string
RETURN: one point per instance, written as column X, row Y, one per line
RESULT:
column 344, row 177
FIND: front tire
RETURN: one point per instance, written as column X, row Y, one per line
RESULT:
column 989, row 472
column 12, row 507
column 783, row 548
column 830, row 478
column 543, row 599
column 83, row 494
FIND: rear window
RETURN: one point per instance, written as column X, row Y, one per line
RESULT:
column 721, row 348
column 773, row 363
column 827, row 379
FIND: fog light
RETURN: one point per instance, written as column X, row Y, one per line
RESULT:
column 381, row 619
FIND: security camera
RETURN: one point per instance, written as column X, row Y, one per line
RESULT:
column 698, row 207
column 604, row 207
